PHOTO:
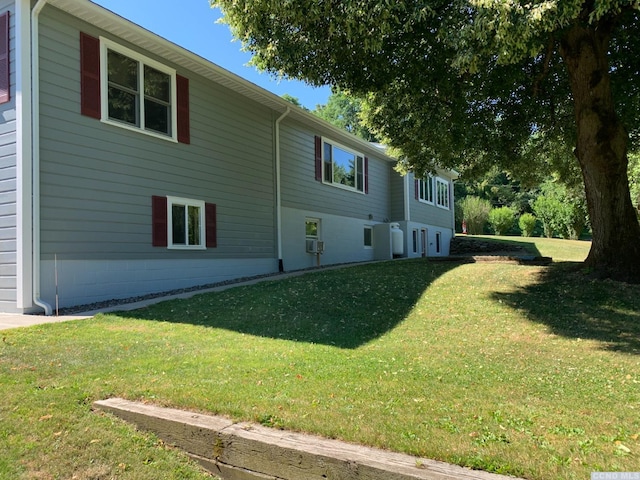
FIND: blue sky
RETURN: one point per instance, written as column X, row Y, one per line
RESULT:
column 193, row 26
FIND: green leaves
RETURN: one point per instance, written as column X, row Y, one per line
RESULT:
column 475, row 84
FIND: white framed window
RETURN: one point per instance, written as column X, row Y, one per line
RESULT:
column 185, row 224
column 312, row 234
column 343, row 167
column 368, row 237
column 442, row 193
column 138, row 93
column 414, row 240
column 425, row 190
column 438, row 242
column 312, row 228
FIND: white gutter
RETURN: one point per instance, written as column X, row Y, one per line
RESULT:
column 278, row 189
column 35, row 152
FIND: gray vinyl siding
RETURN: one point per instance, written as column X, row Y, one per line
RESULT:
column 8, row 182
column 397, row 195
column 300, row 189
column 429, row 214
column 97, row 180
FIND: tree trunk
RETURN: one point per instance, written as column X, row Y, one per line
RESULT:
column 602, row 153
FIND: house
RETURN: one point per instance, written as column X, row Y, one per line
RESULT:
column 131, row 166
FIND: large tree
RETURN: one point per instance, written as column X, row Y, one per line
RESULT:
column 472, row 83
column 343, row 111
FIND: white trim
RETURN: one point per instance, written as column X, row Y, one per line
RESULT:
column 370, row 228
column 187, row 203
column 106, row 44
column 437, row 199
column 356, row 155
column 312, row 220
column 431, row 181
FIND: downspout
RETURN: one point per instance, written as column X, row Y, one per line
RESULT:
column 278, row 190
column 407, row 201
column 35, row 152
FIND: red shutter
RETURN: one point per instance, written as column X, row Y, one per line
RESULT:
column 366, row 175
column 90, row 76
column 5, row 87
column 417, row 188
column 182, row 93
column 159, row 221
column 211, row 225
column 318, row 146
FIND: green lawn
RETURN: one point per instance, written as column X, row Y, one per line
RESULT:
column 529, row 371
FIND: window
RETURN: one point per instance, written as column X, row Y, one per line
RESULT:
column 438, row 241
column 343, row 168
column 415, row 241
column 442, row 193
column 368, row 237
column 425, row 189
column 183, row 224
column 312, row 234
column 124, row 88
column 312, row 228
column 186, row 223
column 137, row 92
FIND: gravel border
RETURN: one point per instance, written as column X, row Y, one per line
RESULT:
column 458, row 252
column 90, row 307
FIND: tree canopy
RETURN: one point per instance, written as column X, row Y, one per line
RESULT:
column 468, row 84
column 343, row 111
column 294, row 100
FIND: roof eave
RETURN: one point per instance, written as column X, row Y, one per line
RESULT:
column 125, row 29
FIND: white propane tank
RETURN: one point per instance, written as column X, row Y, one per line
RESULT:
column 397, row 239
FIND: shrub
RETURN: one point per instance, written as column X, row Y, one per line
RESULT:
column 527, row 223
column 501, row 219
column 475, row 212
column 573, row 220
column 565, row 216
column 548, row 210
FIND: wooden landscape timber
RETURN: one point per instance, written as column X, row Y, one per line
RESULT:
column 245, row 451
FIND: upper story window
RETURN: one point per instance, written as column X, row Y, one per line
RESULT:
column 343, row 167
column 121, row 87
column 442, row 193
column 138, row 93
column 425, row 189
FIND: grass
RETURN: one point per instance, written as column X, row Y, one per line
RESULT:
column 528, row 371
column 558, row 249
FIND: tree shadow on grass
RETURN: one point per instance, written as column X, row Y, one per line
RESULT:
column 574, row 306
column 483, row 245
column 345, row 308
